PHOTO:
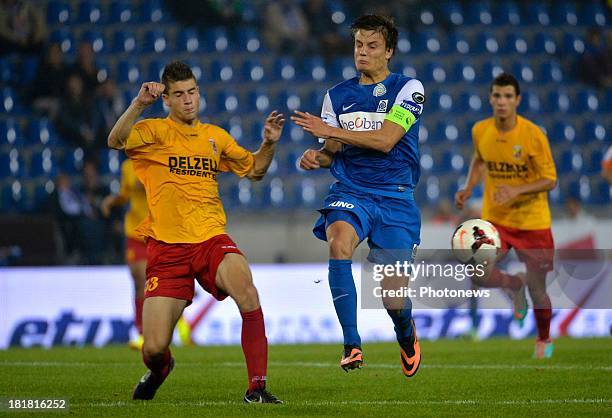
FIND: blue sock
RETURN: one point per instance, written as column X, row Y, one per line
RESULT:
column 344, row 296
column 402, row 319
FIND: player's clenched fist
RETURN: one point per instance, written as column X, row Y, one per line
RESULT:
column 461, row 197
column 309, row 160
column 149, row 93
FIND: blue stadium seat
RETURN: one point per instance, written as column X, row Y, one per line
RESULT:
column 563, row 132
column 124, row 42
column 506, row 13
column 64, row 38
column 249, row 40
column 288, row 101
column 344, row 66
column 42, row 192
column 284, row 69
column 594, row 131
column 404, row 45
column 307, row 194
column 90, row 12
column 515, row 44
column 478, row 13
column 587, row 101
column 128, row 72
column 486, row 42
column 441, row 101
column 523, row 72
column 601, row 191
column 221, row 70
column 43, row 164
column 156, row 68
column 96, row 39
column 253, row 70
column 8, row 72
column 530, row 102
column 10, row 133
column 16, row 198
column 458, row 42
column 404, row 68
column 58, row 12
column 536, row 13
column 462, row 72
column 455, row 161
column 28, row 70
column 187, row 40
column 564, row 13
column 155, row 41
column 447, row 131
column 593, row 163
column 572, row 44
column 544, row 43
column 470, row 102
column 434, row 72
column 227, row 101
column 571, row 161
column 12, row 164
column 430, row 41
column 258, row 100
column 314, row 101
column 216, row 40
column 593, row 13
column 121, row 12
column 313, row 69
column 581, row 189
column 73, row 161
column 110, row 162
column 277, row 194
column 152, row 11
column 551, row 72
column 453, row 11
column 558, row 101
column 41, row 133
column 427, row 160
column 9, row 102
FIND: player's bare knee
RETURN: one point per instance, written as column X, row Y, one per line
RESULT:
column 153, row 348
column 340, row 248
column 248, row 299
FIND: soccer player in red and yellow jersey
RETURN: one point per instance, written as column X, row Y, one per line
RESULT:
column 178, row 159
column 132, row 192
column 513, row 155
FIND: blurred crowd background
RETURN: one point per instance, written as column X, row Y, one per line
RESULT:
column 68, row 69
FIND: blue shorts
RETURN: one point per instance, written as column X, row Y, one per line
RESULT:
column 391, row 225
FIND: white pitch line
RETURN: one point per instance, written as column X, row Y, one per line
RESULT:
column 543, row 366
column 471, row 402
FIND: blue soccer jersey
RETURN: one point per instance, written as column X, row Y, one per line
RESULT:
column 359, row 107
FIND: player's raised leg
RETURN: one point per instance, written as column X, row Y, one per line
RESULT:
column 343, row 240
column 160, row 314
column 234, row 278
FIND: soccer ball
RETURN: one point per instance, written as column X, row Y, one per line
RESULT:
column 476, row 241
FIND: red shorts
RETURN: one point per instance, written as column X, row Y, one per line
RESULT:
column 171, row 268
column 535, row 248
column 135, row 250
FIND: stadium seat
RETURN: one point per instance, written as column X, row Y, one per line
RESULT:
column 216, row 40
column 564, row 13
column 155, row 41
column 404, row 68
column 9, row 102
column 593, row 14
column 426, row 159
column 249, row 40
column 288, row 101
column 451, row 161
column 572, row 44
column 73, row 161
column 515, row 44
column 469, row 102
column 523, row 72
column 128, row 72
column 258, row 100
column 152, row 11
column 434, row 72
column 571, row 161
column 96, row 39
column 447, row 131
column 486, row 43
column 58, row 12
column 187, row 40
column 64, row 38
column 558, row 101
column 506, row 13
column 530, row 102
column 544, row 43
column 156, row 68
column 8, row 72
column 227, row 101
column 313, row 69
column 89, row 12
column 42, row 192
column 28, row 70
column 41, row 133
column 15, row 198
column 563, row 132
column 344, row 66
column 221, row 70
column 430, row 41
column 110, row 162
column 478, row 13
column 404, row 45
column 580, row 188
column 12, row 164
column 586, row 101
column 601, row 191
column 120, row 12
column 594, row 132
column 10, row 133
column 453, row 12
column 536, row 13
column 314, row 101
column 284, row 69
column 277, row 194
column 551, row 72
column 43, row 164
column 458, row 42
column 253, row 70
column 124, row 42
column 592, row 165
column 441, row 101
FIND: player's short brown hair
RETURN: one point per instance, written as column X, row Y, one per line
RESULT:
column 176, row 71
column 505, row 79
column 383, row 24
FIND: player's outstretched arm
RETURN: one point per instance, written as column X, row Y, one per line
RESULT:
column 383, row 139
column 148, row 94
column 321, row 158
column 273, row 128
column 475, row 175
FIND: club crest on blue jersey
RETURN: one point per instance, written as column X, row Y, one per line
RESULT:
column 379, row 90
column 382, row 106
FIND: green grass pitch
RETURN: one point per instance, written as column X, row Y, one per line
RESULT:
column 457, row 377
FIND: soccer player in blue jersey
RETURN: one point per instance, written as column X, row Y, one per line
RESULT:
column 370, row 127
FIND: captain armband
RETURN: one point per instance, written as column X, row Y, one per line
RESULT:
column 401, row 117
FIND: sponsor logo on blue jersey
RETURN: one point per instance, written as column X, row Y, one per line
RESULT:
column 414, row 108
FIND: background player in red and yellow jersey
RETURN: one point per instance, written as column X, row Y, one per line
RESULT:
column 178, row 159
column 132, row 192
column 513, row 155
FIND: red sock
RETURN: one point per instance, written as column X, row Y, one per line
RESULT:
column 543, row 314
column 159, row 365
column 138, row 302
column 255, row 347
column 500, row 279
